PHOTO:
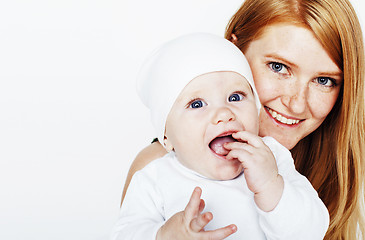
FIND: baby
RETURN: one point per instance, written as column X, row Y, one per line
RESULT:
column 205, row 108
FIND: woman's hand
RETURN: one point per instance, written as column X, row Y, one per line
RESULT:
column 260, row 168
column 190, row 223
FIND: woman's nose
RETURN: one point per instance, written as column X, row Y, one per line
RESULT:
column 296, row 99
column 223, row 114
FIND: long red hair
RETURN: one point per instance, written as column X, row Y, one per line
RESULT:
column 333, row 156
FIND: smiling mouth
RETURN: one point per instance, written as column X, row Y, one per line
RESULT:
column 280, row 118
column 216, row 145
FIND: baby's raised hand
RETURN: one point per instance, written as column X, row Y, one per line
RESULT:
column 260, row 168
column 190, row 223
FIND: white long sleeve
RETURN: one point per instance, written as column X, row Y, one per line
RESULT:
column 300, row 213
column 141, row 214
column 164, row 187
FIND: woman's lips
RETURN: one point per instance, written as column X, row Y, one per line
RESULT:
column 280, row 118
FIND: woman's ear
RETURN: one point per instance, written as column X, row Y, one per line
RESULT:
column 168, row 145
column 234, row 38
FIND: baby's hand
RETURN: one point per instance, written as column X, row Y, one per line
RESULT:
column 190, row 223
column 260, row 168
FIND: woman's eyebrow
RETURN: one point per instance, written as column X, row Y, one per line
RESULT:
column 334, row 74
column 281, row 59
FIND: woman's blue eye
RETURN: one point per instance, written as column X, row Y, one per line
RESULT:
column 235, row 97
column 276, row 67
column 197, row 104
column 325, row 81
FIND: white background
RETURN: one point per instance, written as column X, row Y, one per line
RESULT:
column 70, row 120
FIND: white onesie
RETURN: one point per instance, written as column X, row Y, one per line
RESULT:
column 164, row 187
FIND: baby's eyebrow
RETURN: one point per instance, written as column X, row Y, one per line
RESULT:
column 187, row 100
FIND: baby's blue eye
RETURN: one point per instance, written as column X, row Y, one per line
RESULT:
column 197, row 104
column 235, row 97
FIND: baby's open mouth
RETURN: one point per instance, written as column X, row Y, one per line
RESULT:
column 217, row 144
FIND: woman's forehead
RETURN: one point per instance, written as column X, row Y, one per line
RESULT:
column 295, row 46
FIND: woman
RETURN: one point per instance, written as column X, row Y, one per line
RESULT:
column 307, row 59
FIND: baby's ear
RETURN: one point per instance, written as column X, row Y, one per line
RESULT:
column 168, row 146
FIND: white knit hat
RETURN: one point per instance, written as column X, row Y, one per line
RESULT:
column 172, row 66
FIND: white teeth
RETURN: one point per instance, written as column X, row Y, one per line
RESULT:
column 281, row 118
column 284, row 119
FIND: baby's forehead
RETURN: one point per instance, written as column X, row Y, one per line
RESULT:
column 218, row 80
column 229, row 77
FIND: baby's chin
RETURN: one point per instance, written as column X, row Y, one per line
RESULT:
column 225, row 175
column 228, row 177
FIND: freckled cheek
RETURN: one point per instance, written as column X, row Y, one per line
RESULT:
column 265, row 91
column 265, row 86
column 321, row 105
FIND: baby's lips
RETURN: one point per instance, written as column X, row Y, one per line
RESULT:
column 237, row 138
column 217, row 145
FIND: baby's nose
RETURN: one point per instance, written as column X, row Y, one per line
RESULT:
column 223, row 114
